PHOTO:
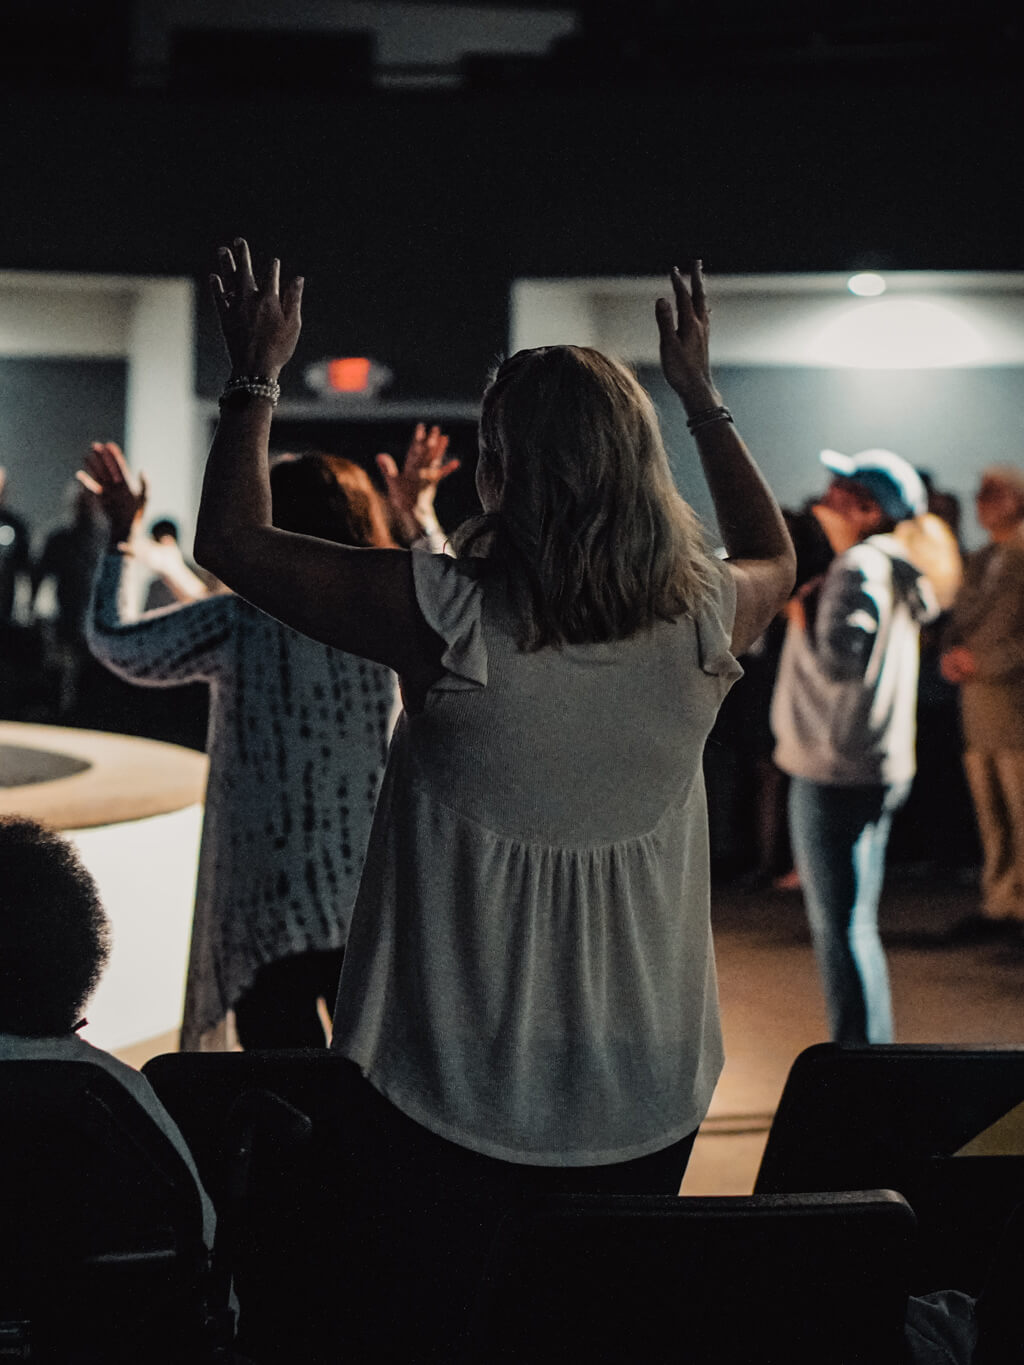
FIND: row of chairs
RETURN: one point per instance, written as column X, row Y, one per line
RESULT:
column 914, row 1149
column 102, row 1252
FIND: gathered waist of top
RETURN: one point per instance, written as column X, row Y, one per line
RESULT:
column 649, row 830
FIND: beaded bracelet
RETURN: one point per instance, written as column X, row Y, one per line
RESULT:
column 256, row 384
column 705, row 418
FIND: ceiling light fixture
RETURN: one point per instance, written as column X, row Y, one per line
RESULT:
column 866, row 284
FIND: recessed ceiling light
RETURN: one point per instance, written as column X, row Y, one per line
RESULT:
column 867, row 284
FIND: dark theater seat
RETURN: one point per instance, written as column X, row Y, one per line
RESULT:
column 934, row 1122
column 659, row 1279
column 296, row 1187
column 101, row 1252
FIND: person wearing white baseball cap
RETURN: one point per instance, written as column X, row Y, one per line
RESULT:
column 894, row 484
column 843, row 715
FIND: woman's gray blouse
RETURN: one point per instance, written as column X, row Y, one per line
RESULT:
column 297, row 739
column 530, row 970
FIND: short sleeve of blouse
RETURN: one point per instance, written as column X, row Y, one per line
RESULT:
column 714, row 624
column 450, row 596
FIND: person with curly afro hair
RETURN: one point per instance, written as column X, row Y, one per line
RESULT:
column 54, row 944
column 54, row 933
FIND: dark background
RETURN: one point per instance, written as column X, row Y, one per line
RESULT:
column 411, row 214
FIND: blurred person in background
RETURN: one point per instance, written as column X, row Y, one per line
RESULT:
column 298, row 734
column 68, row 563
column 15, row 556
column 985, row 658
column 173, row 579
column 843, row 715
column 935, row 833
column 760, row 790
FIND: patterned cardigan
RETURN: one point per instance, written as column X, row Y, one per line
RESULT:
column 298, row 736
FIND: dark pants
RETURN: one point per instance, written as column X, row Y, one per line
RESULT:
column 280, row 1007
column 438, row 1206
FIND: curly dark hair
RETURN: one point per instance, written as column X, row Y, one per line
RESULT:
column 54, row 932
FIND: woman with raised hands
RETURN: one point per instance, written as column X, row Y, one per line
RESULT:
column 298, row 735
column 529, row 983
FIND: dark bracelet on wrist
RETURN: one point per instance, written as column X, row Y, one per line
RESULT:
column 705, row 418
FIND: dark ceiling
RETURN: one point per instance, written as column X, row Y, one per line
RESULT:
column 647, row 42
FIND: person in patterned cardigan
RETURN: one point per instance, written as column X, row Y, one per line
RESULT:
column 298, row 736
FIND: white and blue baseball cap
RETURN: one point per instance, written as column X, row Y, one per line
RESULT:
column 891, row 480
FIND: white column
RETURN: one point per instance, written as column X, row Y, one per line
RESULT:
column 551, row 313
column 160, row 428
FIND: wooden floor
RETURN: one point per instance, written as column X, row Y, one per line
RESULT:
column 772, row 1006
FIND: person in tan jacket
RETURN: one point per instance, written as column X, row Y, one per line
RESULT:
column 986, row 658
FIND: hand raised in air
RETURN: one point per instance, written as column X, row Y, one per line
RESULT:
column 411, row 490
column 684, row 337
column 261, row 323
column 105, row 473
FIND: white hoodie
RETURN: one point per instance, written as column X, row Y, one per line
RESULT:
column 845, row 700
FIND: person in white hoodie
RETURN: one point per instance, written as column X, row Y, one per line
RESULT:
column 843, row 715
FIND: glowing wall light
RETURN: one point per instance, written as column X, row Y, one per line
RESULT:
column 900, row 334
column 866, row 284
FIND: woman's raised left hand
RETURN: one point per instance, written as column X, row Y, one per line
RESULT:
column 261, row 323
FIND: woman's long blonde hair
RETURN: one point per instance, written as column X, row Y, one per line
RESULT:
column 588, row 525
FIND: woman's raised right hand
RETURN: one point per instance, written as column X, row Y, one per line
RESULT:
column 261, row 323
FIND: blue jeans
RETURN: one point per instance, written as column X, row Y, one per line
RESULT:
column 839, row 836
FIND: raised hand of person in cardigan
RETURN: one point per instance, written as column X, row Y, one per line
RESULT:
column 684, row 335
column 411, row 490
column 105, row 473
column 260, row 322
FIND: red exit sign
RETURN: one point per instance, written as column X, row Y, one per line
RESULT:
column 349, row 374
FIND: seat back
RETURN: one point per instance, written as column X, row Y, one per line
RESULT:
column 103, row 1247
column 693, row 1281
column 299, row 1220
column 900, row 1117
column 201, row 1092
